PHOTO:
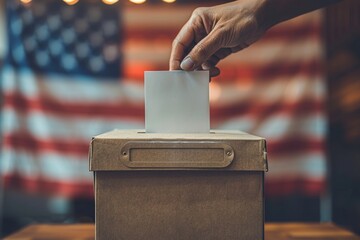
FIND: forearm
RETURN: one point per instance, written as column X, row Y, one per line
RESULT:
column 276, row 11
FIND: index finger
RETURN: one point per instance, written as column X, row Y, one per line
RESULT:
column 181, row 43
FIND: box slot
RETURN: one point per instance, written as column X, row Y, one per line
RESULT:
column 173, row 154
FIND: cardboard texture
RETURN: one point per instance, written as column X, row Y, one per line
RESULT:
column 178, row 186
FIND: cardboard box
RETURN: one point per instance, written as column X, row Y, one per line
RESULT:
column 178, row 186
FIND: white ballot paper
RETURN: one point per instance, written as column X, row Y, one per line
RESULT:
column 177, row 102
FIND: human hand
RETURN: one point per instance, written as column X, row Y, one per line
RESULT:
column 213, row 33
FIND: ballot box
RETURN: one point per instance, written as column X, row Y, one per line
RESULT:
column 178, row 186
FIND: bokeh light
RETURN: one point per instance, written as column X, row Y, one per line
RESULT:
column 137, row 1
column 71, row 2
column 169, row 1
column 26, row 1
column 110, row 1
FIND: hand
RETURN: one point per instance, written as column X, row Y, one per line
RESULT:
column 213, row 33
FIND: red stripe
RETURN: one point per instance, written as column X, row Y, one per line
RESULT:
column 288, row 187
column 50, row 187
column 30, row 143
column 284, row 187
column 111, row 110
column 303, row 31
column 295, row 145
column 128, row 110
column 262, row 110
column 135, row 71
column 231, row 72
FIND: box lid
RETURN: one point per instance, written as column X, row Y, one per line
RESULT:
column 124, row 150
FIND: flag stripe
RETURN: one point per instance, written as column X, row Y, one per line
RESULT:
column 143, row 52
column 305, row 164
column 229, row 71
column 54, row 188
column 275, row 127
column 295, row 186
column 24, row 140
column 308, row 164
column 273, row 34
column 279, row 126
column 135, row 17
column 45, row 125
column 251, row 88
column 136, row 111
column 69, row 88
column 111, row 110
column 266, row 109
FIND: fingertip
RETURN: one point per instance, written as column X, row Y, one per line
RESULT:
column 174, row 65
column 187, row 64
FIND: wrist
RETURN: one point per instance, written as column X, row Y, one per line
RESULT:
column 273, row 12
column 267, row 16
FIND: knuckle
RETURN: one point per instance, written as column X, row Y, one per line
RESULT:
column 197, row 17
column 199, row 11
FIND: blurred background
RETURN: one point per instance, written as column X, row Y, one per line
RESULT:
column 72, row 69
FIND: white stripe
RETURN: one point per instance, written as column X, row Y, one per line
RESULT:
column 48, row 126
column 279, row 126
column 276, row 127
column 306, row 165
column 51, row 166
column 45, row 126
column 91, row 90
column 244, row 123
column 23, row 80
column 95, row 91
column 68, row 89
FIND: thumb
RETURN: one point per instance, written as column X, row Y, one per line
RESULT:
column 201, row 52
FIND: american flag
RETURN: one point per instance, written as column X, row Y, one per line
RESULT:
column 60, row 86
column 73, row 72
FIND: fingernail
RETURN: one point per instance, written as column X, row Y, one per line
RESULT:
column 187, row 64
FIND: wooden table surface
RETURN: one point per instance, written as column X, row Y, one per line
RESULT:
column 273, row 231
